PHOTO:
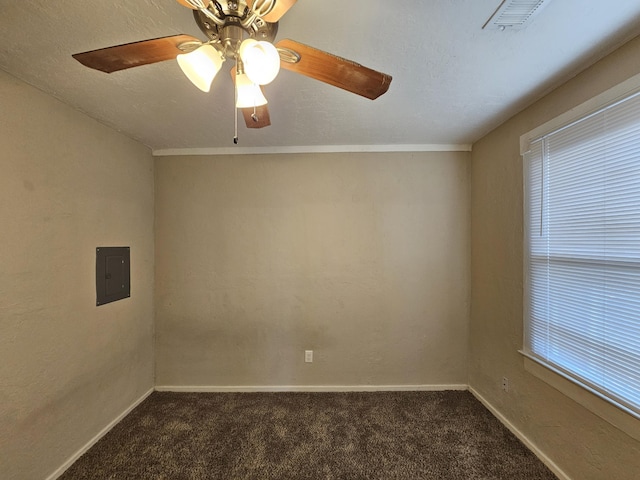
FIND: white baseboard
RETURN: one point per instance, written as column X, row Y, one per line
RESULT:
column 309, row 388
column 530, row 445
column 95, row 439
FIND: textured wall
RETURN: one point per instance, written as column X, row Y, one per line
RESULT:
column 579, row 442
column 67, row 368
column 363, row 258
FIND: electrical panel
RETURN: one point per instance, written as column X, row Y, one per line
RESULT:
column 113, row 274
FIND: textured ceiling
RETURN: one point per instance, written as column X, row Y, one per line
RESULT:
column 452, row 80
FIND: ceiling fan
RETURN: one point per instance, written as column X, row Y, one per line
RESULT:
column 242, row 31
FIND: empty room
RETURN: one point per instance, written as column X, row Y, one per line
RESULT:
column 280, row 239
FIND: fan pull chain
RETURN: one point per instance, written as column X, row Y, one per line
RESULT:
column 235, row 104
column 235, row 136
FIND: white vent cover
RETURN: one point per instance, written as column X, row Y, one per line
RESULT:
column 514, row 14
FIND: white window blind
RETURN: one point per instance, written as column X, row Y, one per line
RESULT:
column 582, row 252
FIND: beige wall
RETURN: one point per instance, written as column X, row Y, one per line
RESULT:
column 67, row 368
column 363, row 258
column 580, row 443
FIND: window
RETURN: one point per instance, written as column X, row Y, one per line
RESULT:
column 582, row 251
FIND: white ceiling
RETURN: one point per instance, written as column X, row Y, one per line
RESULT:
column 452, row 81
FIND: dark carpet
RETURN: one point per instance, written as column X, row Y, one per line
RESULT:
column 386, row 435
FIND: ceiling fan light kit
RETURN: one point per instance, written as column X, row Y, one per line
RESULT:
column 201, row 66
column 261, row 61
column 248, row 93
column 242, row 31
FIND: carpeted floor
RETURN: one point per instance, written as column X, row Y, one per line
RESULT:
column 389, row 435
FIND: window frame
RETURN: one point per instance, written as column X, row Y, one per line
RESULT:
column 599, row 404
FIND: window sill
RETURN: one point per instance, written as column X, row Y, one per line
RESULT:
column 615, row 415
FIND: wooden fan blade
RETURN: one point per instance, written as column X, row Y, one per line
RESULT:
column 279, row 9
column 335, row 71
column 261, row 118
column 186, row 4
column 121, row 57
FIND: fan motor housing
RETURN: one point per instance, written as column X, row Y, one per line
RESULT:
column 233, row 13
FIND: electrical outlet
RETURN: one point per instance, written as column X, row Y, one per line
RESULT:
column 505, row 384
column 308, row 356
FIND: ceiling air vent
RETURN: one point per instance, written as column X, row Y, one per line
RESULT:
column 514, row 14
